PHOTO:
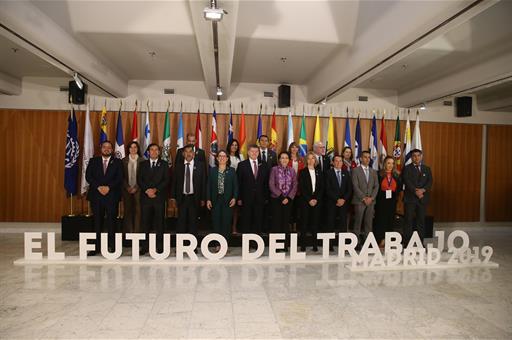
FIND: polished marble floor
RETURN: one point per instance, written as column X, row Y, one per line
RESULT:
column 303, row 301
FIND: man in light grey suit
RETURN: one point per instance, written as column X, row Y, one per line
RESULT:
column 365, row 184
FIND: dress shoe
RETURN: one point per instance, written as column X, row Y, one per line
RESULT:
column 91, row 253
column 111, row 249
column 315, row 249
column 142, row 252
column 302, row 248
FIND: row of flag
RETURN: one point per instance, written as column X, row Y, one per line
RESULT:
column 377, row 145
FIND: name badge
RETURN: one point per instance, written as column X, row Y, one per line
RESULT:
column 389, row 193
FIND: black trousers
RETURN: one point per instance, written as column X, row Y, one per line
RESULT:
column 153, row 218
column 414, row 220
column 105, row 216
column 252, row 217
column 310, row 220
column 281, row 215
column 187, row 215
column 336, row 217
column 385, row 210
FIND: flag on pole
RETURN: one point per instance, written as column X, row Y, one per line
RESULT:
column 407, row 141
column 329, row 147
column 88, row 151
column 199, row 133
column 103, row 125
column 260, row 127
column 290, row 130
column 230, row 129
column 317, row 136
column 358, row 147
column 374, row 155
column 397, row 151
column 303, row 142
column 72, row 155
column 119, row 149
column 135, row 130
column 214, row 147
column 347, row 133
column 241, row 135
column 383, row 143
column 179, row 141
column 416, row 136
column 147, row 135
column 166, row 150
column 273, row 131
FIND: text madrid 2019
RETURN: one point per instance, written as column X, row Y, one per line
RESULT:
column 370, row 257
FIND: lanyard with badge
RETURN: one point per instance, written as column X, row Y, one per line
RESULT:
column 389, row 192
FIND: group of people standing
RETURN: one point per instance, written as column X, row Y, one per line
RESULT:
column 265, row 193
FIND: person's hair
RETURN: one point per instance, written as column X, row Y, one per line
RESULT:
column 314, row 157
column 105, row 142
column 293, row 144
column 228, row 163
column 153, row 144
column 188, row 146
column 137, row 145
column 283, row 153
column 237, row 152
column 252, row 146
column 190, row 134
column 416, row 151
column 337, row 155
column 366, row 151
column 259, row 139
column 383, row 170
column 351, row 152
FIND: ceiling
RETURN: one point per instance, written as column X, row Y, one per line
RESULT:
column 324, row 43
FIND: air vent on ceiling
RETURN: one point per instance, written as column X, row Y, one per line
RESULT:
column 168, row 91
column 447, row 103
column 64, row 88
column 362, row 98
column 268, row 94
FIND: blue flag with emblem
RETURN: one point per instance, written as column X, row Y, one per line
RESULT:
column 72, row 155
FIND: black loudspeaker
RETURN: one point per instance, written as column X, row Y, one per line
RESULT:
column 75, row 95
column 463, row 106
column 284, row 96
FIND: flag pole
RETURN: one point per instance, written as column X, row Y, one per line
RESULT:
column 119, row 210
column 71, row 206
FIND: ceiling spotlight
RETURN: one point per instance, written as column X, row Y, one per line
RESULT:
column 324, row 102
column 423, row 106
column 219, row 91
column 78, row 81
column 213, row 13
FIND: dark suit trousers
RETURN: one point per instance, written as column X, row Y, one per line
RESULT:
column 281, row 215
column 414, row 212
column 384, row 217
column 222, row 216
column 132, row 212
column 187, row 215
column 105, row 215
column 310, row 220
column 252, row 217
column 336, row 217
column 153, row 215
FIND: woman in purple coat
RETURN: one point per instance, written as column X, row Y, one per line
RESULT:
column 283, row 187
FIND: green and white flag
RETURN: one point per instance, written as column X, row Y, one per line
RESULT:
column 166, row 152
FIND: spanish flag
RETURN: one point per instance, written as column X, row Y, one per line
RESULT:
column 273, row 132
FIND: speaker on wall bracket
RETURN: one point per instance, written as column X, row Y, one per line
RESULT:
column 75, row 94
column 284, row 96
column 463, row 106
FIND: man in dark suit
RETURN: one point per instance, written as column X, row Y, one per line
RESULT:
column 188, row 190
column 417, row 179
column 323, row 161
column 105, row 177
column 338, row 190
column 152, row 179
column 266, row 155
column 253, row 190
column 199, row 154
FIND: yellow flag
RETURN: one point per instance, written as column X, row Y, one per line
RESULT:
column 330, row 136
column 317, row 136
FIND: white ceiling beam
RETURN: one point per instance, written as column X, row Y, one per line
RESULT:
column 226, row 37
column 9, row 85
column 32, row 24
column 472, row 78
column 394, row 29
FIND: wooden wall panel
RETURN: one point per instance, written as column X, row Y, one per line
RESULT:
column 33, row 147
column 499, row 173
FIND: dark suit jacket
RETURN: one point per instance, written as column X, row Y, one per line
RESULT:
column 157, row 178
column 271, row 158
column 125, row 170
column 113, row 178
column 326, row 163
column 230, row 185
column 333, row 191
column 413, row 179
column 252, row 190
column 198, row 179
column 199, row 156
column 306, row 186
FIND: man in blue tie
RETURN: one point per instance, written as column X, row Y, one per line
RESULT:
column 338, row 191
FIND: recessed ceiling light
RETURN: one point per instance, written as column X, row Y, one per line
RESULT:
column 219, row 91
column 152, row 54
column 283, row 59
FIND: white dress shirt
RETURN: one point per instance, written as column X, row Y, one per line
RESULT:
column 312, row 174
column 235, row 160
